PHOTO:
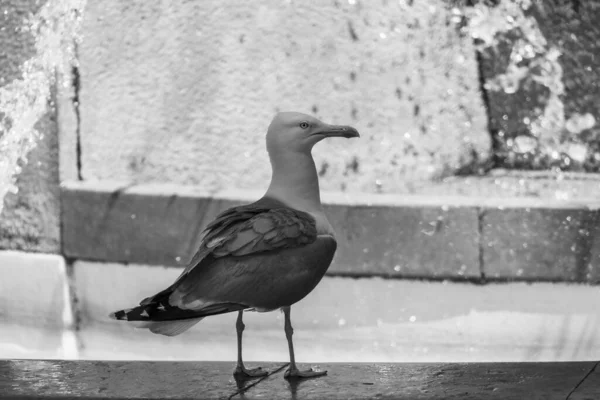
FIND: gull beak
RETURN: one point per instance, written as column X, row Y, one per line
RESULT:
column 337, row 131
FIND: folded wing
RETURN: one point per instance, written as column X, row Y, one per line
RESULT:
column 238, row 257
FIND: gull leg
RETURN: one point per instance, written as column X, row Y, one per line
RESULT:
column 293, row 372
column 240, row 371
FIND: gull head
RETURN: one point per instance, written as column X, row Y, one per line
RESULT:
column 294, row 131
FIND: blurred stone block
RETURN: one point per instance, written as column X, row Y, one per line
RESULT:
column 33, row 289
column 161, row 225
column 540, row 243
column 147, row 224
column 406, row 241
column 30, row 218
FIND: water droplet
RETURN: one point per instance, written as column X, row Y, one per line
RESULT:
column 133, row 216
column 412, row 318
column 577, row 151
column 177, row 258
column 397, row 268
column 342, row 322
column 406, row 135
column 561, row 195
column 382, row 35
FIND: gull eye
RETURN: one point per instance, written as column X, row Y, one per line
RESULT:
column 304, row 125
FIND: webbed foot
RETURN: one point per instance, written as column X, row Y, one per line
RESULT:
column 243, row 373
column 295, row 373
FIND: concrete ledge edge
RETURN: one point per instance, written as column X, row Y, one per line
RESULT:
column 393, row 236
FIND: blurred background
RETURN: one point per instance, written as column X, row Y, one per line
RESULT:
column 466, row 213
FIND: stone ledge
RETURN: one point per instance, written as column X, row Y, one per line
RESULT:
column 343, row 320
column 213, row 380
column 161, row 225
column 400, row 236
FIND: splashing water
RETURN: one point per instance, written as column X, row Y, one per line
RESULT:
column 24, row 101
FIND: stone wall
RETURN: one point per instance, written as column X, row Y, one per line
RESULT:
column 183, row 92
column 538, row 62
column 30, row 218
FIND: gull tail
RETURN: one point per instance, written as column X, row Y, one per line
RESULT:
column 170, row 328
column 154, row 316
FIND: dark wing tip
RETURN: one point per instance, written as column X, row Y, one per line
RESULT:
column 119, row 315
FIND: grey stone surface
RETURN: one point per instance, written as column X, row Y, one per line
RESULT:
column 164, row 228
column 16, row 44
column 166, row 98
column 540, row 244
column 418, row 241
column 171, row 380
column 30, row 220
column 124, row 225
column 589, row 388
column 117, row 380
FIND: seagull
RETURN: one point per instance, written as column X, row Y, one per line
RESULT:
column 261, row 257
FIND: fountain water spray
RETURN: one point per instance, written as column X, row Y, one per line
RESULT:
column 24, row 101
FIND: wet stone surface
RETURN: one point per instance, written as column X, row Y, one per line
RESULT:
column 537, row 65
column 187, row 380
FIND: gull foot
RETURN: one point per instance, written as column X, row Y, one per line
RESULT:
column 295, row 373
column 243, row 373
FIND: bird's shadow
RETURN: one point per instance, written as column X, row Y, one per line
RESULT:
column 294, row 384
column 243, row 384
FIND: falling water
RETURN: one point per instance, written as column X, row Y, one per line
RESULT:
column 24, row 101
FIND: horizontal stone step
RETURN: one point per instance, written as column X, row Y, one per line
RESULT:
column 449, row 237
column 33, row 289
column 34, row 309
column 213, row 380
column 345, row 319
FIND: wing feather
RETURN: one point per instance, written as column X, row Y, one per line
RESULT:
column 259, row 228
